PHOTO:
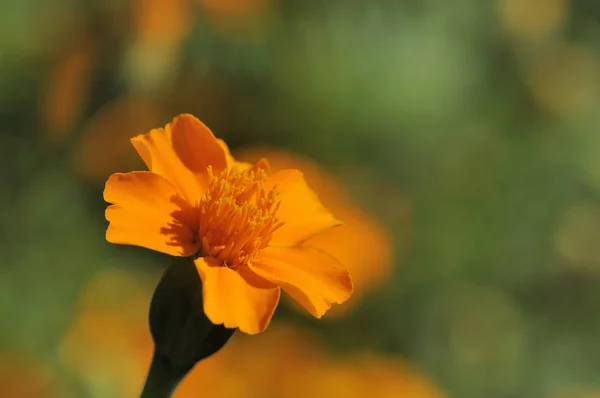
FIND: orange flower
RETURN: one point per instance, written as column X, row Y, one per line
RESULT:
column 243, row 225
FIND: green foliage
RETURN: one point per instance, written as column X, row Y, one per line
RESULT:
column 434, row 100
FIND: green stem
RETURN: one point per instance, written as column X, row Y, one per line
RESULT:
column 161, row 380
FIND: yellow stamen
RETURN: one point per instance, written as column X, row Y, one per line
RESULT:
column 237, row 215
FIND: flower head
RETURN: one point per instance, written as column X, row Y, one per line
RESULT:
column 243, row 225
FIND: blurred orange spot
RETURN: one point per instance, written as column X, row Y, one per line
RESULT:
column 24, row 377
column 564, row 79
column 245, row 367
column 154, row 53
column 66, row 92
column 162, row 21
column 115, row 288
column 394, row 378
column 577, row 392
column 529, row 19
column 362, row 244
column 110, row 349
column 108, row 345
column 577, row 238
column 105, row 147
column 287, row 363
column 241, row 20
column 234, row 7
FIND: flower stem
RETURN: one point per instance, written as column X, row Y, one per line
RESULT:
column 161, row 380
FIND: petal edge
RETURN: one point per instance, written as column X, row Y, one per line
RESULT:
column 181, row 152
column 147, row 211
column 310, row 276
column 236, row 298
column 301, row 210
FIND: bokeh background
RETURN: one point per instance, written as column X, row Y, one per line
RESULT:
column 458, row 140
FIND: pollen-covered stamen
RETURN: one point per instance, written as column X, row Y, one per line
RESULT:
column 237, row 215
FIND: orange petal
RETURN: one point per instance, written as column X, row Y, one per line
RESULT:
column 147, row 211
column 301, row 211
column 228, row 156
column 312, row 277
column 236, row 299
column 231, row 162
column 182, row 152
column 347, row 243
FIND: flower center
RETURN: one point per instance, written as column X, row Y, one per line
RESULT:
column 237, row 215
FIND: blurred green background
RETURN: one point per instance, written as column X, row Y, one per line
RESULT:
column 466, row 129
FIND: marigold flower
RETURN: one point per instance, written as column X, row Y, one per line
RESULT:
column 242, row 224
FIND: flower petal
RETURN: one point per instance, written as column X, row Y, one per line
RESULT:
column 231, row 162
column 182, row 152
column 147, row 211
column 230, row 159
column 236, row 298
column 301, row 211
column 312, row 277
